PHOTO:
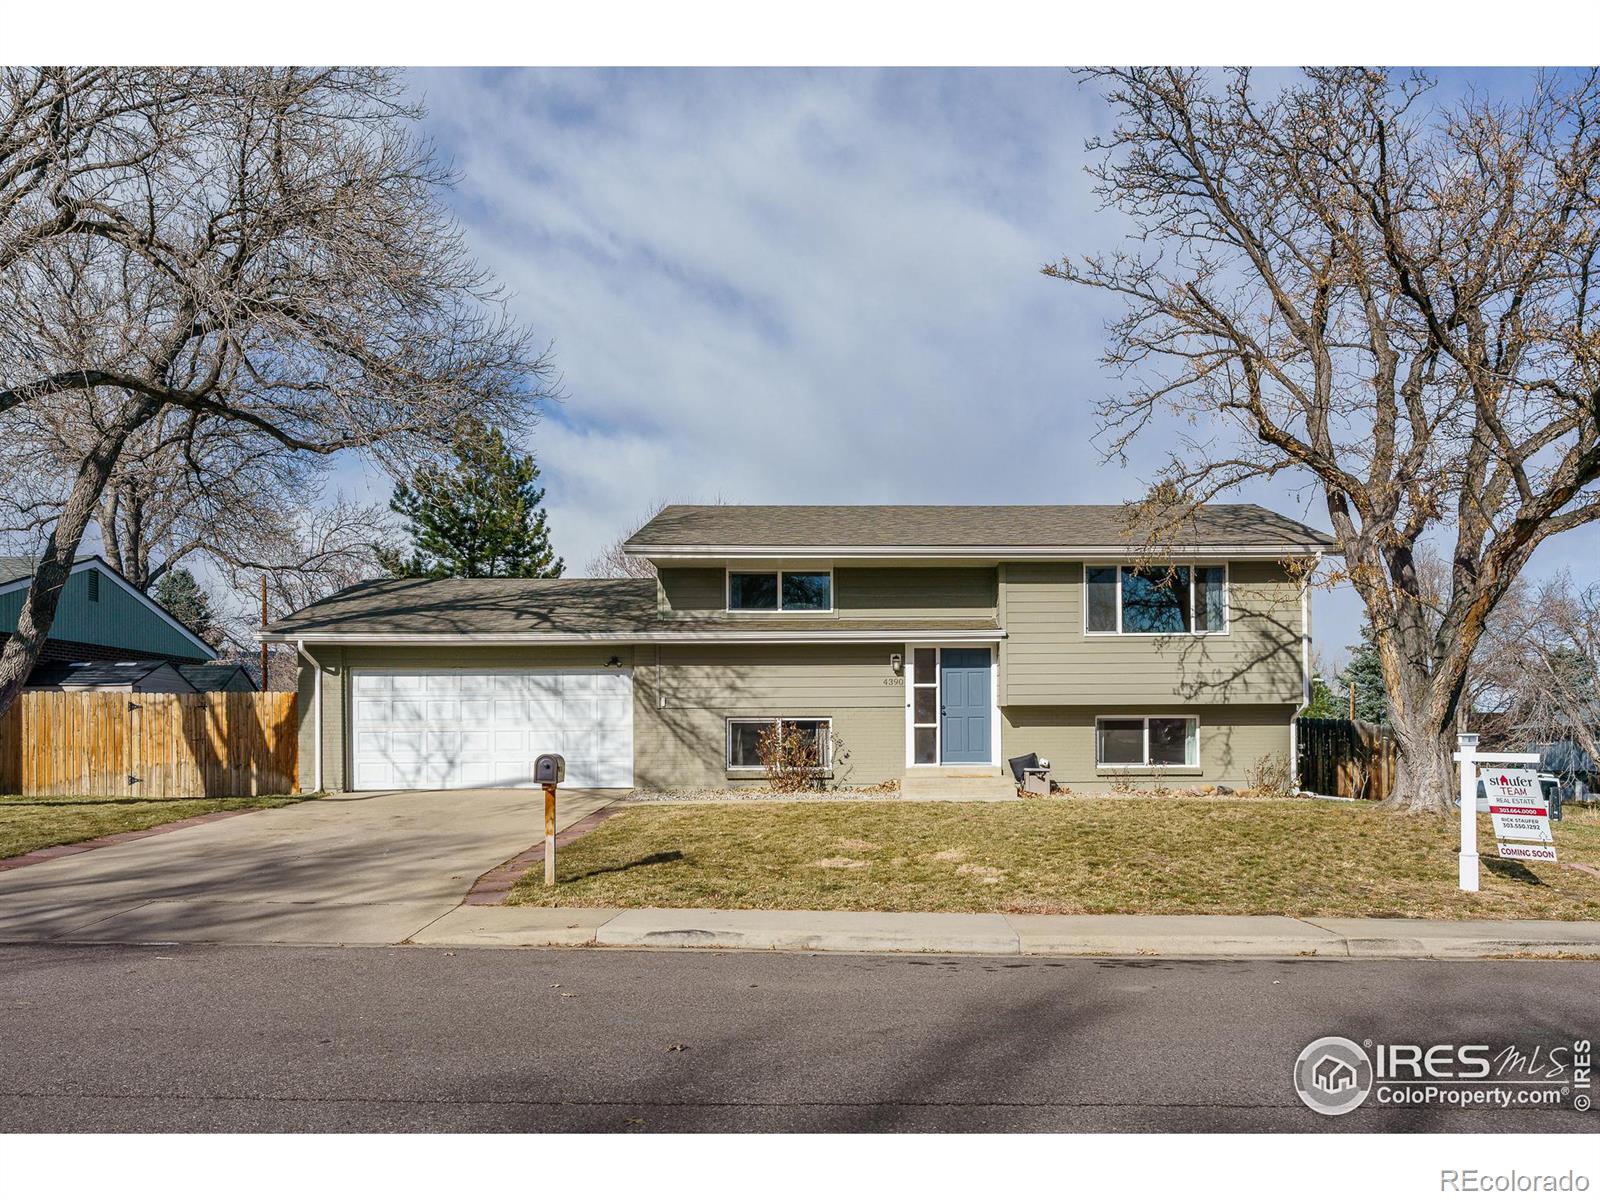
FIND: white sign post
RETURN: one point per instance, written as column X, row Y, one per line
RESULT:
column 1518, row 786
column 1467, row 755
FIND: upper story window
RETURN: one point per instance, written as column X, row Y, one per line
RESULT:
column 780, row 591
column 1163, row 599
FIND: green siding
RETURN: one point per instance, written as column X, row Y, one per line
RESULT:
column 681, row 701
column 1232, row 738
column 1053, row 679
column 891, row 592
column 886, row 592
column 683, row 698
column 692, row 589
column 1048, row 659
column 118, row 619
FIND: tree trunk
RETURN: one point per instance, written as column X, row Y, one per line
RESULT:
column 21, row 653
column 1425, row 780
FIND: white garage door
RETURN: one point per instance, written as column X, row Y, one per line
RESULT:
column 459, row 729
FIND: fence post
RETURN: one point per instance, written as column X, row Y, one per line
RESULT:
column 1467, row 757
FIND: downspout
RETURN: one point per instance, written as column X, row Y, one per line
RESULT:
column 316, row 711
column 1305, row 672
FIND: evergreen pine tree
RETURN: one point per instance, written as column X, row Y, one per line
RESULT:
column 1366, row 671
column 1323, row 703
column 178, row 592
column 481, row 517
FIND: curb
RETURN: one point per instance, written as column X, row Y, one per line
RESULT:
column 1006, row 934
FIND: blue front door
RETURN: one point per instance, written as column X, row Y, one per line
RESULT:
column 964, row 701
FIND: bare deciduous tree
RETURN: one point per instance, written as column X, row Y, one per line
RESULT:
column 315, row 551
column 236, row 499
column 1344, row 283
column 1538, row 668
column 613, row 562
column 230, row 258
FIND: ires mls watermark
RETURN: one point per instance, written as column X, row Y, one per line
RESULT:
column 1334, row 1075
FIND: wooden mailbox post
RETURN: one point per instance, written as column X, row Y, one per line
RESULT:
column 548, row 771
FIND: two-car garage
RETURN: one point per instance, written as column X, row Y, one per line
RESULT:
column 478, row 728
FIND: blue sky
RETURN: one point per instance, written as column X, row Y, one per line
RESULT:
column 806, row 286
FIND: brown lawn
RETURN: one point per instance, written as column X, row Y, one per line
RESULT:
column 34, row 822
column 1123, row 855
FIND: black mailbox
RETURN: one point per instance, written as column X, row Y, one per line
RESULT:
column 549, row 768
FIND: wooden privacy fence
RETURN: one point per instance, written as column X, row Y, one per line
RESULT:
column 149, row 745
column 1345, row 758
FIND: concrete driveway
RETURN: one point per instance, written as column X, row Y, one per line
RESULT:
column 372, row 868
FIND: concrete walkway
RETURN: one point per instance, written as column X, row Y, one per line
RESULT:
column 997, row 933
column 372, row 868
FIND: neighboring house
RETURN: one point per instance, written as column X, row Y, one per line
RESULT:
column 100, row 617
column 218, row 677
column 929, row 642
column 138, row 676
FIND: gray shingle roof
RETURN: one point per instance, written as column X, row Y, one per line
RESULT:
column 94, row 674
column 520, row 607
column 729, row 526
column 213, row 677
column 437, row 606
column 19, row 566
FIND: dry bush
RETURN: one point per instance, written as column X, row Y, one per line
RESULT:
column 789, row 755
column 1270, row 776
column 1360, row 778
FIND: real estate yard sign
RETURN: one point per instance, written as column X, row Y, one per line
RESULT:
column 1518, row 810
column 1524, row 853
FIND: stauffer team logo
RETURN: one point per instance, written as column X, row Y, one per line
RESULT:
column 1333, row 1076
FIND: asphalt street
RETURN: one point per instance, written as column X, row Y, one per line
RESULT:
column 202, row 1038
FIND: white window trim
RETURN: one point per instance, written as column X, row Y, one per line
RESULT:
column 1193, row 565
column 727, row 742
column 908, row 677
column 729, row 572
column 1147, row 765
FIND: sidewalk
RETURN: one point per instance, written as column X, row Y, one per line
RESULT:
column 997, row 933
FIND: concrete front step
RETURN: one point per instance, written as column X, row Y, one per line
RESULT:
column 957, row 785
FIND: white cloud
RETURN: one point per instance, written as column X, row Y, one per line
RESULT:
column 789, row 285
column 799, row 286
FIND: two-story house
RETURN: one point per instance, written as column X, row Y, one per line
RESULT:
column 919, row 643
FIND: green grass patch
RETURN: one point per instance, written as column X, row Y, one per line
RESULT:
column 30, row 823
column 1125, row 855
